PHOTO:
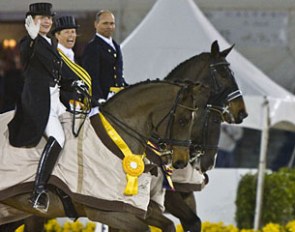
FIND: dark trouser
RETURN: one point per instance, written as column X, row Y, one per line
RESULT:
column 47, row 162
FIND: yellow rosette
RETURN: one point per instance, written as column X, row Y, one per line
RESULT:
column 133, row 166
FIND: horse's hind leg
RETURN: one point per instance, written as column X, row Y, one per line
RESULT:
column 155, row 217
column 34, row 223
column 120, row 220
column 176, row 203
column 12, row 226
column 31, row 224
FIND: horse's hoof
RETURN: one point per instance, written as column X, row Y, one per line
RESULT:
column 40, row 201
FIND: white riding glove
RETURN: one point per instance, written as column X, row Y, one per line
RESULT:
column 31, row 27
column 101, row 101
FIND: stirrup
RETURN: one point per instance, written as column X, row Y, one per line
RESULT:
column 40, row 206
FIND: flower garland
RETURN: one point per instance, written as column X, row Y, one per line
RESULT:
column 77, row 226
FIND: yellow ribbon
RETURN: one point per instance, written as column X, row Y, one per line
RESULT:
column 166, row 169
column 78, row 70
column 133, row 165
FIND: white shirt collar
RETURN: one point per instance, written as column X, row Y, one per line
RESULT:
column 107, row 40
column 67, row 51
column 46, row 38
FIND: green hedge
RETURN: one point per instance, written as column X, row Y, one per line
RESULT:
column 278, row 199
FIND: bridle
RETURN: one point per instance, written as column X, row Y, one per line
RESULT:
column 199, row 150
column 166, row 142
column 224, row 108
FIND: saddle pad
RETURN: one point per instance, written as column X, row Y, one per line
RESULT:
column 85, row 165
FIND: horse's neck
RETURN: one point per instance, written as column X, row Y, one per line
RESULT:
column 125, row 134
column 193, row 69
column 131, row 115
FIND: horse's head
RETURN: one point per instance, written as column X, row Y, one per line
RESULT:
column 173, row 132
column 226, row 96
column 160, row 111
column 225, row 103
column 205, row 144
column 213, row 70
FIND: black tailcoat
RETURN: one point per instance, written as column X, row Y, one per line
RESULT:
column 42, row 65
column 67, row 92
column 104, row 65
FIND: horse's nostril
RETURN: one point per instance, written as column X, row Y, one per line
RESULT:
column 243, row 115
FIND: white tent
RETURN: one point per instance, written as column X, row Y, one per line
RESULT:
column 175, row 30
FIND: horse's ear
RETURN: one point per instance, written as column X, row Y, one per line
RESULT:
column 225, row 52
column 215, row 49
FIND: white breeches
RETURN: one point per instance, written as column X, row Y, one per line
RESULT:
column 54, row 127
column 94, row 110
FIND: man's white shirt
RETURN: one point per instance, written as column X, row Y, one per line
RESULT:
column 107, row 40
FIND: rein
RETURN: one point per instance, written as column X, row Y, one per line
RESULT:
column 200, row 148
column 80, row 89
column 139, row 137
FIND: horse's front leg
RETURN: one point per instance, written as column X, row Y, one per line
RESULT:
column 176, row 203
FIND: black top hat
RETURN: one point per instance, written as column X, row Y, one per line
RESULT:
column 41, row 8
column 65, row 22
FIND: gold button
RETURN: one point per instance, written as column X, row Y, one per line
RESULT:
column 115, row 76
column 115, row 55
column 114, row 67
column 110, row 50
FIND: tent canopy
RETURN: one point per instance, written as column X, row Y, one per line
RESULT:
column 175, row 30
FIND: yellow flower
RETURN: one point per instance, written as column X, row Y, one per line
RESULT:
column 52, row 225
column 290, row 227
column 271, row 227
column 247, row 230
column 90, row 227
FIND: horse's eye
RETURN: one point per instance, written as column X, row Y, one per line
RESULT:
column 182, row 122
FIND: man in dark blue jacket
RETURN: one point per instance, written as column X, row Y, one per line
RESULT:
column 102, row 59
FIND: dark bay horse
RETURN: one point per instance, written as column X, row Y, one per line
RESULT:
column 212, row 69
column 86, row 168
column 225, row 104
column 205, row 144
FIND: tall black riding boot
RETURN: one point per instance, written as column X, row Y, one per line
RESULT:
column 40, row 199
